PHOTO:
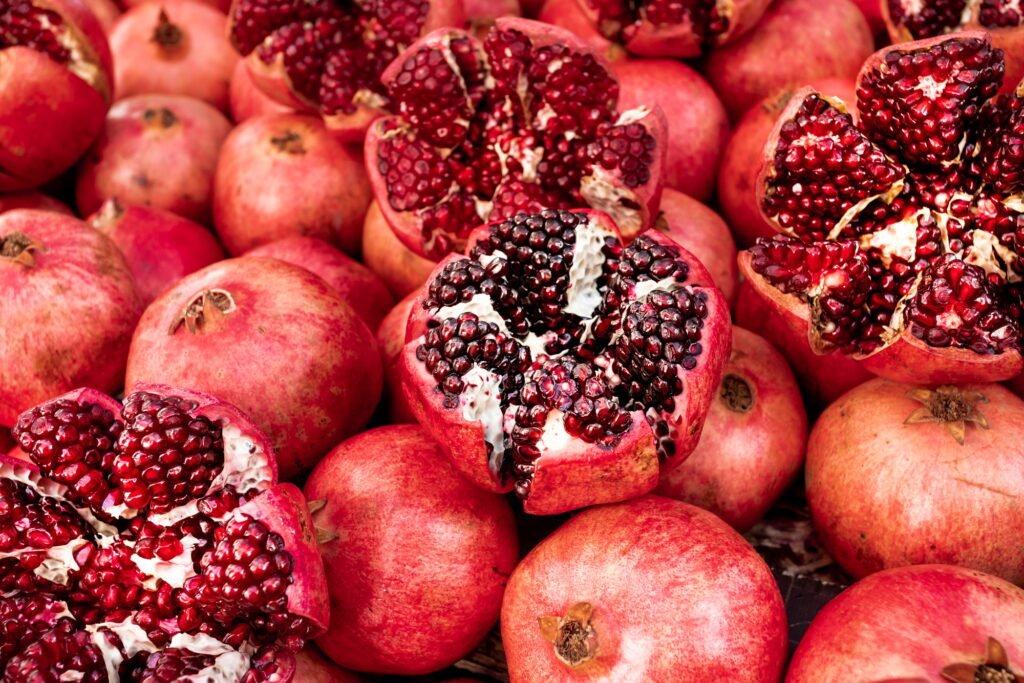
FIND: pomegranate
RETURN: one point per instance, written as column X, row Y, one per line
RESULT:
column 401, row 269
column 858, row 497
column 524, row 120
column 160, row 247
column 569, row 15
column 222, row 5
column 285, row 175
column 390, row 340
column 68, row 305
column 443, row 581
column 356, row 284
column 928, row 624
column 32, row 200
column 872, row 10
column 158, row 151
column 608, row 596
column 272, row 338
column 486, row 11
column 106, row 11
column 6, row 440
column 173, row 47
column 754, row 439
column 313, row 667
column 327, row 57
column 150, row 542
column 900, row 249
column 56, row 79
column 247, row 100
column 556, row 361
column 796, row 42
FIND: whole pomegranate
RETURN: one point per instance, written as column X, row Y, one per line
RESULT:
column 56, row 77
column 608, row 596
column 901, row 230
column 524, row 120
column 68, row 303
column 754, row 438
column 486, row 11
column 390, row 341
column 795, row 42
column 557, row 361
column 32, row 200
column 150, row 541
column 926, row 624
column 419, row 556
column 313, row 667
column 356, row 284
column 247, row 100
column 327, row 57
column 158, row 151
column 959, row 446
column 401, row 269
column 285, row 175
column 159, row 246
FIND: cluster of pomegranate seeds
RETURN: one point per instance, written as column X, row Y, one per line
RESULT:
column 23, row 23
column 929, row 18
column 619, row 19
column 62, row 653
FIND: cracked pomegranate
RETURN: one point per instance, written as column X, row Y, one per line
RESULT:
column 150, row 542
column 557, row 361
column 524, row 120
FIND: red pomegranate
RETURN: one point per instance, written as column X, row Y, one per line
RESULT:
column 485, row 130
column 272, row 338
column 486, row 11
column 313, row 667
column 907, row 259
column 247, row 100
column 56, row 79
column 68, row 303
column 285, row 175
column 556, row 361
column 390, row 341
column 959, row 446
column 158, row 151
column 754, row 438
column 928, row 624
column 152, row 540
column 402, row 270
column 569, row 15
column 105, row 11
column 321, row 57
column 872, row 10
column 159, row 246
column 32, row 200
column 6, row 440
column 608, row 596
column 410, row 537
column 222, row 5
column 796, row 42
column 356, row 284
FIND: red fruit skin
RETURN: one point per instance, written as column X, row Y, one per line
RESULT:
column 199, row 66
column 313, row 667
column 68, row 318
column 159, row 246
column 222, row 5
column 795, row 42
column 307, row 375
column 872, row 10
column 247, row 101
column 32, row 200
column 285, row 175
column 390, row 340
column 488, row 10
column 6, row 440
column 652, row 568
column 749, row 453
column 858, row 496
column 569, row 15
column 415, row 539
column 403, row 270
column 105, row 11
column 147, row 156
column 357, row 285
column 910, row 623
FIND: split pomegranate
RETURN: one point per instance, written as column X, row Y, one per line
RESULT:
column 556, row 361
column 32, row 200
column 173, row 47
column 402, row 270
column 928, row 624
column 68, row 303
column 150, row 542
column 527, row 119
column 158, row 151
column 328, row 56
column 614, row 593
column 754, row 438
column 285, row 175
column 309, row 375
column 247, row 100
column 959, row 444
column 902, row 229
column 419, row 556
column 159, row 246
column 390, row 341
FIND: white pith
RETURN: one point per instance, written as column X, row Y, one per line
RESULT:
column 131, row 640
column 587, row 267
column 174, row 572
column 228, row 667
column 481, row 402
column 897, row 239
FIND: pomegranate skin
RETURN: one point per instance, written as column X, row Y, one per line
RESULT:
column 795, row 42
column 445, row 578
column 68, row 304
column 286, row 175
column 754, row 438
column 569, row 15
column 390, row 340
column 173, row 47
column 963, row 510
column 247, row 101
column 357, row 285
column 872, row 10
column 307, row 375
column 313, row 667
column 105, row 11
column 489, row 10
column 910, row 623
column 402, row 269
column 32, row 200
column 159, row 151
column 650, row 570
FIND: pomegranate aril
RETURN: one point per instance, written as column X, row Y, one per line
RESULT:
column 63, row 653
column 928, row 18
column 24, row 24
